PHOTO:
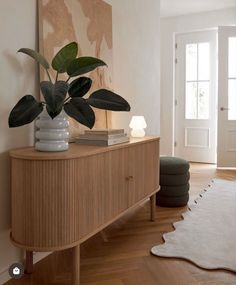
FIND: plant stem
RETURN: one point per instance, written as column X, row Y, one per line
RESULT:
column 49, row 76
column 68, row 79
column 67, row 99
column 57, row 76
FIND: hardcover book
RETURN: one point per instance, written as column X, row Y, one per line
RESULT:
column 105, row 131
column 101, row 136
column 105, row 142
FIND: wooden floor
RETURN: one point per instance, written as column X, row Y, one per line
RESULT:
column 121, row 256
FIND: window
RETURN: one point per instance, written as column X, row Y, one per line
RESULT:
column 232, row 79
column 197, row 81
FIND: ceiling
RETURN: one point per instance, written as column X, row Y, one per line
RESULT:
column 171, row 8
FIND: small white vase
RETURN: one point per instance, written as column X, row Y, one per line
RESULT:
column 52, row 134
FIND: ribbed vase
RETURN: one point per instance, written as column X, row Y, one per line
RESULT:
column 52, row 134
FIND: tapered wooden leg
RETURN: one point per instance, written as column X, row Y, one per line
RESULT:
column 152, row 207
column 29, row 267
column 76, row 265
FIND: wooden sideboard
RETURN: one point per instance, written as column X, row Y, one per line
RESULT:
column 61, row 199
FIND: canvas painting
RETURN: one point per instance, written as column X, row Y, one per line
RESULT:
column 89, row 23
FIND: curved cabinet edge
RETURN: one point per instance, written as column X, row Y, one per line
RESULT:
column 42, row 249
column 75, row 150
column 48, row 249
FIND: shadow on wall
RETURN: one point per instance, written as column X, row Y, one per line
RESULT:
column 19, row 79
column 22, row 69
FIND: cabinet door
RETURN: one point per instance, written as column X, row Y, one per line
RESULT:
column 102, row 189
column 93, row 186
column 118, row 191
column 111, row 182
column 143, row 170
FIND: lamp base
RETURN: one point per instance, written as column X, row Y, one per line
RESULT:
column 137, row 133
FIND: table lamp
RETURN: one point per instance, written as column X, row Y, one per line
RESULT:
column 138, row 124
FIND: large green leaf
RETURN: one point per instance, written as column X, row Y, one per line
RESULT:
column 54, row 95
column 79, row 87
column 62, row 59
column 83, row 65
column 36, row 56
column 25, row 111
column 105, row 99
column 78, row 109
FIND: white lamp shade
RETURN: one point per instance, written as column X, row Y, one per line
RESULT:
column 138, row 122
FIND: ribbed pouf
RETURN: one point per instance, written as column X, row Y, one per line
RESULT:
column 174, row 182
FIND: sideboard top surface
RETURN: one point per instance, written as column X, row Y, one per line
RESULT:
column 74, row 151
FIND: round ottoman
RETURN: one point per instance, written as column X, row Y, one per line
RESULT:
column 174, row 182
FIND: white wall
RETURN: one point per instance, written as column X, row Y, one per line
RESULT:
column 169, row 27
column 17, row 78
column 136, row 45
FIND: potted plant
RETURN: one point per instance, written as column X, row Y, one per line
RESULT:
column 65, row 96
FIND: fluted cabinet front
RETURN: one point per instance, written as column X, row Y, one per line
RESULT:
column 59, row 200
column 44, row 195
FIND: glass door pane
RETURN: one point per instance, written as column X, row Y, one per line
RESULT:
column 191, row 62
column 232, row 99
column 191, row 100
column 197, row 81
column 203, row 61
column 232, row 79
column 232, row 57
column 203, row 100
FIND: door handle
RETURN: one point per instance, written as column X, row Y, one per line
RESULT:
column 224, row 109
column 130, row 177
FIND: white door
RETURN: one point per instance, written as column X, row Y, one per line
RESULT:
column 226, row 153
column 195, row 93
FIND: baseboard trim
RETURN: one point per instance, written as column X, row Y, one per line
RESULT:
column 4, row 276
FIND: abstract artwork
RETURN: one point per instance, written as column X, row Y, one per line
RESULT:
column 89, row 23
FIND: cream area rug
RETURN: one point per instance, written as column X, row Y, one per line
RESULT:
column 207, row 234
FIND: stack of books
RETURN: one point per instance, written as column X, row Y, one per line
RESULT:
column 103, row 137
